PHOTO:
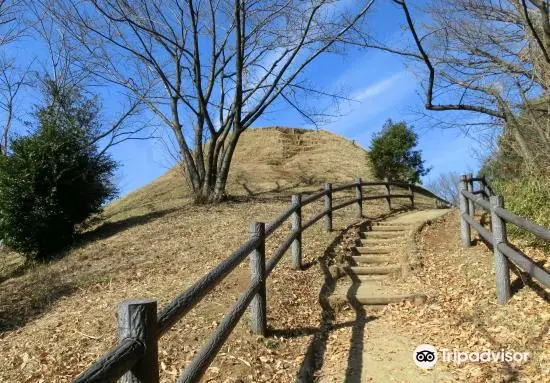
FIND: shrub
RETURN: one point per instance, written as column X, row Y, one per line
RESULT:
column 51, row 181
column 529, row 197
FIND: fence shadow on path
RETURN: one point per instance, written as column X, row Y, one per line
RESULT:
column 316, row 352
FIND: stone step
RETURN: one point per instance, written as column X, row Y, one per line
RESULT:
column 383, row 234
column 388, row 223
column 389, row 228
column 373, row 278
column 370, row 270
column 379, row 241
column 374, row 250
column 369, row 259
column 417, row 299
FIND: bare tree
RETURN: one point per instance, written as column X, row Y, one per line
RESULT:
column 12, row 77
column 487, row 57
column 58, row 69
column 12, row 80
column 208, row 69
column 445, row 185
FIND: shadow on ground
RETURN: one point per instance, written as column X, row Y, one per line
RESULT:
column 316, row 352
column 33, row 292
column 109, row 229
column 31, row 299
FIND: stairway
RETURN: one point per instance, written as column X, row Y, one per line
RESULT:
column 379, row 258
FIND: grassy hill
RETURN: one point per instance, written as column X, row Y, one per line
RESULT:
column 56, row 318
column 267, row 162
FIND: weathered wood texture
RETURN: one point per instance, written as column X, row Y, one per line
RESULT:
column 197, row 367
column 328, row 207
column 314, row 219
column 313, row 197
column 503, row 252
column 502, row 270
column 297, row 230
column 341, row 206
column 484, row 204
column 186, row 301
column 137, row 319
column 114, row 364
column 465, row 233
column 470, row 188
column 527, row 264
column 269, row 229
column 278, row 254
column 258, row 309
column 359, row 197
column 388, row 193
column 483, row 232
column 539, row 231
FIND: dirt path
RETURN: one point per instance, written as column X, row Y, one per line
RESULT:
column 364, row 346
column 369, row 344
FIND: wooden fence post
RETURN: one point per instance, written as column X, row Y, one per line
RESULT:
column 502, row 270
column 470, row 188
column 297, row 230
column 359, row 196
column 411, row 191
column 258, row 310
column 465, row 232
column 388, row 192
column 328, row 206
column 486, row 189
column 137, row 319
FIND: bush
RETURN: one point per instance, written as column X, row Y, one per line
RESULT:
column 51, row 181
column 528, row 197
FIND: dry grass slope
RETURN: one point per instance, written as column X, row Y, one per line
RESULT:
column 268, row 162
column 55, row 319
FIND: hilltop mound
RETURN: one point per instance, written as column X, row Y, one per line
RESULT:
column 267, row 162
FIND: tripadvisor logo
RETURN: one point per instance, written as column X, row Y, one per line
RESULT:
column 425, row 356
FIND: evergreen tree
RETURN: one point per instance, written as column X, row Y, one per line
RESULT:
column 393, row 154
column 54, row 178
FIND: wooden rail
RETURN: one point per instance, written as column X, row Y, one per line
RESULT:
column 135, row 359
column 504, row 253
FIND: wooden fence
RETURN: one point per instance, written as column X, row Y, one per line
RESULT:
column 504, row 253
column 135, row 359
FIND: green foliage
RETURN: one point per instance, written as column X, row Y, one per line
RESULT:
column 392, row 153
column 528, row 197
column 525, row 188
column 54, row 178
column 505, row 163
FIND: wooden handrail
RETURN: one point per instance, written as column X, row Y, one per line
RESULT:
column 498, row 237
column 124, row 357
column 531, row 227
column 114, row 364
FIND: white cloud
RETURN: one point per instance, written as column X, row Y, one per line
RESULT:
column 373, row 102
column 378, row 88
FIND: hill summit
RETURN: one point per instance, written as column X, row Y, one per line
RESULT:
column 267, row 162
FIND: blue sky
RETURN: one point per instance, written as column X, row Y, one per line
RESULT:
column 380, row 84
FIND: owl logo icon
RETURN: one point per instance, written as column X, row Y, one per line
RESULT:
column 425, row 356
